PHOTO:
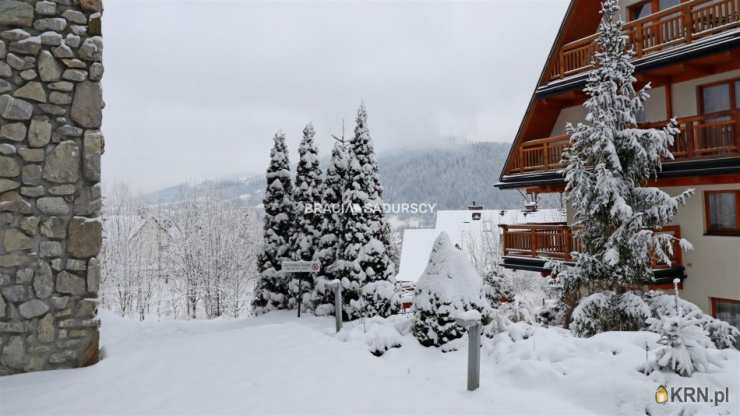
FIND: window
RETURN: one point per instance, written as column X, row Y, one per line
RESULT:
column 720, row 96
column 723, row 212
column 664, row 4
column 645, row 8
column 640, row 10
column 716, row 98
column 727, row 310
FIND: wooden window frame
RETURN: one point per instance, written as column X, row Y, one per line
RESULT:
column 714, row 301
column 654, row 4
column 707, row 218
column 733, row 95
column 633, row 8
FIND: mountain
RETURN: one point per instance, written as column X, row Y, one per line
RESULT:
column 452, row 177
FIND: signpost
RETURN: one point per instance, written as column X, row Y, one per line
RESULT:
column 303, row 268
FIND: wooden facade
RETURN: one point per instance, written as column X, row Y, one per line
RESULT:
column 689, row 53
column 682, row 24
column 703, row 136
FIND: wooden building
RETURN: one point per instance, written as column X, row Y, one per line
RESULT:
column 689, row 50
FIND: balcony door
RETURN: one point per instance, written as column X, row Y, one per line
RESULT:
column 719, row 105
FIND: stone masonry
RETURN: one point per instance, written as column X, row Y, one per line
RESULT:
column 50, row 147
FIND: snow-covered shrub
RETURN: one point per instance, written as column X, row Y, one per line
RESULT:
column 521, row 309
column 498, row 288
column 683, row 343
column 552, row 313
column 498, row 323
column 608, row 311
column 381, row 298
column 722, row 334
column 379, row 334
column 449, row 285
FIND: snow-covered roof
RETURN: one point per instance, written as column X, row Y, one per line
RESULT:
column 464, row 232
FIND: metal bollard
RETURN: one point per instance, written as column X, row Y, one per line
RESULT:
column 338, row 306
column 474, row 357
column 473, row 325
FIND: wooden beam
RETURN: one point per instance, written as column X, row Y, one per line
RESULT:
column 546, row 189
column 696, row 180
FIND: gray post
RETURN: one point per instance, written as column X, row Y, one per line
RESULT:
column 474, row 356
column 338, row 305
column 300, row 292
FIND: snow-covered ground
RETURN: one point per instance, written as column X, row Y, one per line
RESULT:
column 277, row 364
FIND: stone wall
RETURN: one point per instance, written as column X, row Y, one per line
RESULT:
column 50, row 147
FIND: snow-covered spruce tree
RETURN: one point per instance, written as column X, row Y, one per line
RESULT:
column 684, row 346
column 609, row 158
column 365, row 267
column 497, row 288
column 604, row 311
column 307, row 227
column 272, row 287
column 331, row 228
column 449, row 285
column 722, row 334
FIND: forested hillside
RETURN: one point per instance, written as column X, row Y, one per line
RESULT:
column 451, row 177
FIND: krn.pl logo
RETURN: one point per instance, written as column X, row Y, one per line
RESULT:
column 661, row 395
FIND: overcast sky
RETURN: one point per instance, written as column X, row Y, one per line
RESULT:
column 196, row 89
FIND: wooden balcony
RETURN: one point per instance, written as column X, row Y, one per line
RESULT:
column 557, row 242
column 714, row 135
column 676, row 26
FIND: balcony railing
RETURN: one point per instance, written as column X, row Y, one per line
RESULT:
column 674, row 26
column 713, row 135
column 557, row 241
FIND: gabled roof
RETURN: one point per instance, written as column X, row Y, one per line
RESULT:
column 463, row 232
column 581, row 19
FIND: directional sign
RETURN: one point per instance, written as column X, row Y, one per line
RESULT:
column 301, row 266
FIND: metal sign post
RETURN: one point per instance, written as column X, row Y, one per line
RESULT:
column 302, row 269
column 473, row 326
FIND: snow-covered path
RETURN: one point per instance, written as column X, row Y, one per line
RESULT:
column 278, row 365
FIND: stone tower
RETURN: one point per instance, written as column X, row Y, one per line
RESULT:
column 50, row 148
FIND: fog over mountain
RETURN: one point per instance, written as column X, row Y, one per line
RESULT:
column 451, row 177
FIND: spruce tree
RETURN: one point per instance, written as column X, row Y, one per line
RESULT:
column 617, row 219
column 365, row 266
column 332, row 221
column 272, row 290
column 449, row 286
column 307, row 228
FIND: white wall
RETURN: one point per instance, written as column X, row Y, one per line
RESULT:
column 685, row 103
column 573, row 115
column 655, row 110
column 713, row 267
column 655, row 107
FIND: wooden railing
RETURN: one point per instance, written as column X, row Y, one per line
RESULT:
column 711, row 135
column 677, row 25
column 556, row 241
